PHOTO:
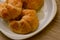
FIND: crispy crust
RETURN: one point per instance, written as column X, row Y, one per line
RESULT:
column 33, row 4
column 27, row 24
column 20, row 21
column 12, row 10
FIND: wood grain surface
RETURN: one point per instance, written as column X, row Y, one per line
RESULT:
column 51, row 32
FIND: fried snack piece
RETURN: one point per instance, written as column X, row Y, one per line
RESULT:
column 33, row 4
column 11, row 11
column 28, row 23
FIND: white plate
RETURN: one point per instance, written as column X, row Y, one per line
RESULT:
column 45, row 16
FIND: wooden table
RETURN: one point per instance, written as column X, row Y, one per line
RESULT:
column 51, row 32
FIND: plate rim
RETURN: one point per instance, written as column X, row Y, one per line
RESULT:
column 50, row 19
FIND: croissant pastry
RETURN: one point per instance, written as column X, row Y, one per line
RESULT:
column 28, row 23
column 33, row 4
column 21, row 20
column 10, row 11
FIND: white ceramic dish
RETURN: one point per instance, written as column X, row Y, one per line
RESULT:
column 45, row 16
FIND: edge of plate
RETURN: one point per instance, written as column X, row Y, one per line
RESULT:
column 52, row 17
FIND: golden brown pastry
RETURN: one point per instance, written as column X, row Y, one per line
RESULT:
column 2, row 6
column 28, row 23
column 11, row 11
column 21, row 21
column 16, row 3
column 33, row 4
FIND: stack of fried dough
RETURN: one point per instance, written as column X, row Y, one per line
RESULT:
column 21, row 14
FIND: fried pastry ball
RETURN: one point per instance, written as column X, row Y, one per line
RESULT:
column 33, row 4
column 28, row 23
column 11, row 11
